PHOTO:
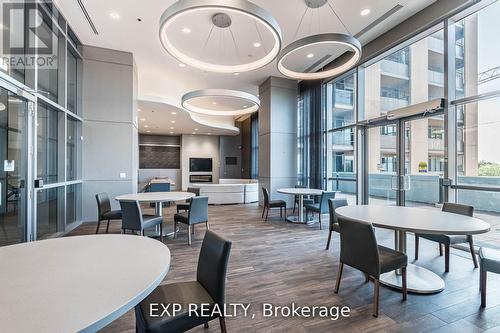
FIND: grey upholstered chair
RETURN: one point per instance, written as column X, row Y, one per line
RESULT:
column 159, row 187
column 185, row 206
column 134, row 220
column 447, row 240
column 269, row 204
column 334, row 224
column 321, row 207
column 489, row 262
column 359, row 249
column 104, row 211
column 307, row 200
column 209, row 288
column 197, row 213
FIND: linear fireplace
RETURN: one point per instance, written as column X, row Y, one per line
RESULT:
column 200, row 178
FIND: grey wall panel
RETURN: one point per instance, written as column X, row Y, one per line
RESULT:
column 246, row 146
column 230, row 146
column 91, row 188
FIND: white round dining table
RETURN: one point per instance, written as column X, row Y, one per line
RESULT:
column 417, row 220
column 79, row 283
column 158, row 198
column 300, row 193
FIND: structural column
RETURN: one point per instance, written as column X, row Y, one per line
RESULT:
column 278, row 136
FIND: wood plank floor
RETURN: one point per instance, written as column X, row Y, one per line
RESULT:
column 280, row 263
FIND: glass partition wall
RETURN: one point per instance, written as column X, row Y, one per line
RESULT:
column 403, row 161
column 40, row 107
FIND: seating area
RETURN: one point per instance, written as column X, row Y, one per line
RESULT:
column 264, row 166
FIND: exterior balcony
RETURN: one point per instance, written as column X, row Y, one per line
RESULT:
column 436, row 78
column 396, row 69
column 389, row 103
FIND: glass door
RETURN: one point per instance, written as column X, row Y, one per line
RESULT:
column 13, row 168
column 423, row 161
column 382, row 164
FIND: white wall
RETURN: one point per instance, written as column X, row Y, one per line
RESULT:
column 199, row 146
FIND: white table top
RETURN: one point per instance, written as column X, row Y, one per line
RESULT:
column 156, row 196
column 300, row 191
column 415, row 219
column 77, row 284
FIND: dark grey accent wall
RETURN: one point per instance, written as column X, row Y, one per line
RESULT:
column 159, row 152
column 230, row 146
column 246, row 147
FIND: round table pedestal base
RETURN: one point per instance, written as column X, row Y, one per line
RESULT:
column 295, row 219
column 419, row 280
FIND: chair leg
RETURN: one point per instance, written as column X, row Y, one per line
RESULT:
column 107, row 227
column 281, row 212
column 329, row 239
column 320, row 224
column 206, row 224
column 205, row 325
column 367, row 278
column 482, row 284
column 161, row 232
column 339, row 276
column 405, row 285
column 472, row 253
column 175, row 229
column 376, row 290
column 440, row 249
column 98, row 225
column 263, row 211
column 417, row 241
column 267, row 213
column 142, row 232
column 446, row 258
column 192, row 229
column 222, row 322
column 294, row 205
column 285, row 212
column 189, row 234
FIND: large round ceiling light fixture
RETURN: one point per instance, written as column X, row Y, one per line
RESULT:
column 220, row 102
column 223, row 35
column 301, row 59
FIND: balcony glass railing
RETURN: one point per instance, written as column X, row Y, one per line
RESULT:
column 395, row 68
column 436, row 77
column 388, row 103
column 344, row 97
column 435, row 44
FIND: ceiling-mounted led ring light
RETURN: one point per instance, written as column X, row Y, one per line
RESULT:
column 318, row 40
column 220, row 102
column 221, row 11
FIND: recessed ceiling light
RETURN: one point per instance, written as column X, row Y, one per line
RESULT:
column 186, row 30
column 172, row 121
column 182, row 65
column 236, row 74
column 148, row 131
column 365, row 12
column 171, row 132
column 245, row 106
column 209, row 133
column 114, row 15
column 146, row 126
column 171, row 128
column 195, row 129
column 310, row 55
column 214, row 103
column 139, row 110
column 173, row 112
column 194, row 132
column 143, row 119
column 256, row 44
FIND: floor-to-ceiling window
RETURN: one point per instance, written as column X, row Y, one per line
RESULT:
column 49, row 122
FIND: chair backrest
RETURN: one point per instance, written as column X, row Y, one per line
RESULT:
column 195, row 190
column 323, row 203
column 458, row 209
column 358, row 246
column 103, row 204
column 334, row 204
column 159, row 187
column 300, row 186
column 198, row 210
column 265, row 192
column 131, row 215
column 212, row 265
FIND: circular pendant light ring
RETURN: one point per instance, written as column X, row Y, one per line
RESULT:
column 243, row 7
column 249, row 103
column 331, row 38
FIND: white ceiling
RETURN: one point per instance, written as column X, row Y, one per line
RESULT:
column 162, row 80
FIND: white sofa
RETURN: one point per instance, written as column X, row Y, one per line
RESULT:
column 230, row 191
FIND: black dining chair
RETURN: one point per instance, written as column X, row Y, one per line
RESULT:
column 104, row 211
column 269, row 204
column 321, row 207
column 185, row 206
column 448, row 240
column 197, row 213
column 134, row 220
column 334, row 224
column 209, row 288
column 359, row 249
column 306, row 200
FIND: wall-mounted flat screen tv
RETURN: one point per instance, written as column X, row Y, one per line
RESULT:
column 200, row 164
